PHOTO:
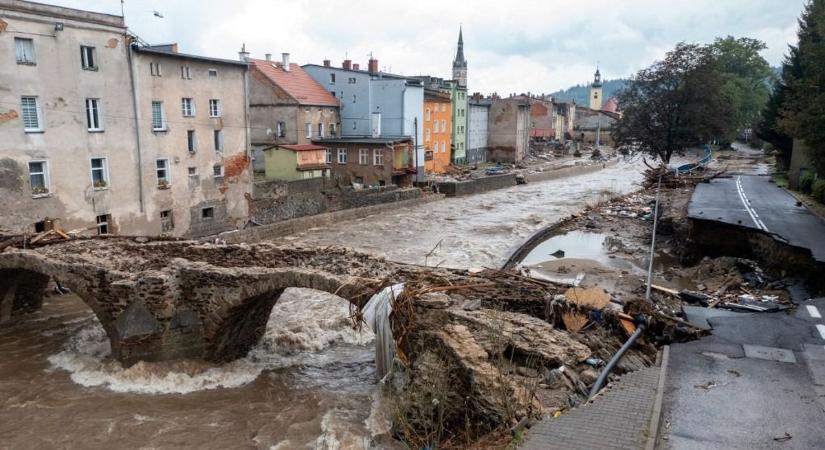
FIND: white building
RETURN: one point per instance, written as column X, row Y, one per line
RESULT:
column 477, row 130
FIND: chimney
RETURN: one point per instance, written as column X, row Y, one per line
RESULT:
column 326, row 63
column 356, row 66
column 373, row 65
column 347, row 64
column 243, row 55
column 268, row 56
column 285, row 61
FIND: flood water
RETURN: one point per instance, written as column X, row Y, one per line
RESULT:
column 310, row 384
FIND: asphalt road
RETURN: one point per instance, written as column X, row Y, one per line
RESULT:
column 754, row 202
column 757, row 383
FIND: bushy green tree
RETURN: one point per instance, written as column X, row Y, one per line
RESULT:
column 675, row 103
column 746, row 79
column 802, row 112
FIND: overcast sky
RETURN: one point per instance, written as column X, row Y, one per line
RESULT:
column 511, row 46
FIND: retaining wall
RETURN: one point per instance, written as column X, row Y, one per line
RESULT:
column 478, row 185
column 287, row 227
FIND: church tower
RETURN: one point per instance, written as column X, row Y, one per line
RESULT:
column 596, row 91
column 459, row 63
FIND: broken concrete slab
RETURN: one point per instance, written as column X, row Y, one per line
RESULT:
column 699, row 315
column 769, row 353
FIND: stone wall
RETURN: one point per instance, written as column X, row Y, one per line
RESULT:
column 459, row 188
column 286, row 227
column 276, row 201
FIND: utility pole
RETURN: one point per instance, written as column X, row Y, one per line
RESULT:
column 598, row 131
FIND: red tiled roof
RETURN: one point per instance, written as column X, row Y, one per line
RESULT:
column 542, row 132
column 611, row 106
column 302, row 147
column 297, row 83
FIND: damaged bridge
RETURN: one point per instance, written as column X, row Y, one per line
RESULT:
column 179, row 299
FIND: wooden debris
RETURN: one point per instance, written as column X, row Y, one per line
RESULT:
column 594, row 297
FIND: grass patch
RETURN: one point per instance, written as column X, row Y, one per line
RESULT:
column 781, row 180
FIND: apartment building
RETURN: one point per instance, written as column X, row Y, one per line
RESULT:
column 68, row 147
column 101, row 134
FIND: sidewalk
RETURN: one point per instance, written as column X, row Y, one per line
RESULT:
column 619, row 418
column 757, row 382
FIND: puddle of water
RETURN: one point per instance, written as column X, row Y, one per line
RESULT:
column 579, row 245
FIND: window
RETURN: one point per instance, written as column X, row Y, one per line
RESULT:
column 191, row 141
column 194, row 179
column 320, row 130
column 281, row 129
column 363, row 156
column 342, row 156
column 167, row 223
column 308, row 129
column 158, row 117
column 351, row 80
column 354, row 125
column 24, row 48
column 429, row 117
column 39, row 178
column 214, row 107
column 32, row 117
column 186, row 72
column 443, row 146
column 162, row 171
column 332, row 78
column 443, row 126
column 217, row 172
column 208, row 213
column 427, row 135
column 93, row 119
column 329, row 156
column 332, row 129
column 354, row 98
column 187, row 107
column 100, row 173
column 103, row 224
column 154, row 69
column 378, row 157
column 217, row 138
column 88, row 58
column 213, row 73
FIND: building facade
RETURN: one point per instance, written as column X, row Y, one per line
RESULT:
column 376, row 104
column 287, row 107
column 296, row 162
column 478, row 118
column 370, row 161
column 437, row 127
column 509, row 128
column 67, row 135
column 102, row 135
column 193, row 138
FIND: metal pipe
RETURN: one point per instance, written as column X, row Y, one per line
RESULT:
column 615, row 360
column 653, row 240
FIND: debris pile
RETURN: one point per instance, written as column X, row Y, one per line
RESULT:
column 671, row 180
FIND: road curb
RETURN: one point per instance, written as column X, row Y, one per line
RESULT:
column 656, row 414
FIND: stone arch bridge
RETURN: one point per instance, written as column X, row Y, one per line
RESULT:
column 160, row 300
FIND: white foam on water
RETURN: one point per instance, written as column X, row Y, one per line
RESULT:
column 302, row 324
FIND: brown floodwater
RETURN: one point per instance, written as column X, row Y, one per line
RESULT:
column 309, row 384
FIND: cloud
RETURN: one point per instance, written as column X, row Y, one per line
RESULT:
column 515, row 46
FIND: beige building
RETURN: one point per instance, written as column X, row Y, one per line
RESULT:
column 192, row 118
column 509, row 129
column 67, row 134
column 77, row 137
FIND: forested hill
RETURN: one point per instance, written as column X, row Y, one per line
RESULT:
column 581, row 93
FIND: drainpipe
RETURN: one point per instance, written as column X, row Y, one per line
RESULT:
column 136, row 111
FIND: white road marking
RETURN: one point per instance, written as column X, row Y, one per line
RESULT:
column 747, row 204
column 821, row 329
column 813, row 311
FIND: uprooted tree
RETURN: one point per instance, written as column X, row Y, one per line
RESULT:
column 676, row 103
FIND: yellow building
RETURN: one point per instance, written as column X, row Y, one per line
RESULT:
column 296, row 162
column 437, row 129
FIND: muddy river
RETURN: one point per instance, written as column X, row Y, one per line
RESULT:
column 309, row 384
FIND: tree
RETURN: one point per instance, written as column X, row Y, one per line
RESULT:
column 802, row 112
column 746, row 76
column 675, row 103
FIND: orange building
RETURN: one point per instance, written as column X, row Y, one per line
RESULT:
column 437, row 125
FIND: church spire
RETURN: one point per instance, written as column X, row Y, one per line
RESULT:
column 459, row 63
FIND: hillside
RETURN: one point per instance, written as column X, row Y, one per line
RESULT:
column 581, row 93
